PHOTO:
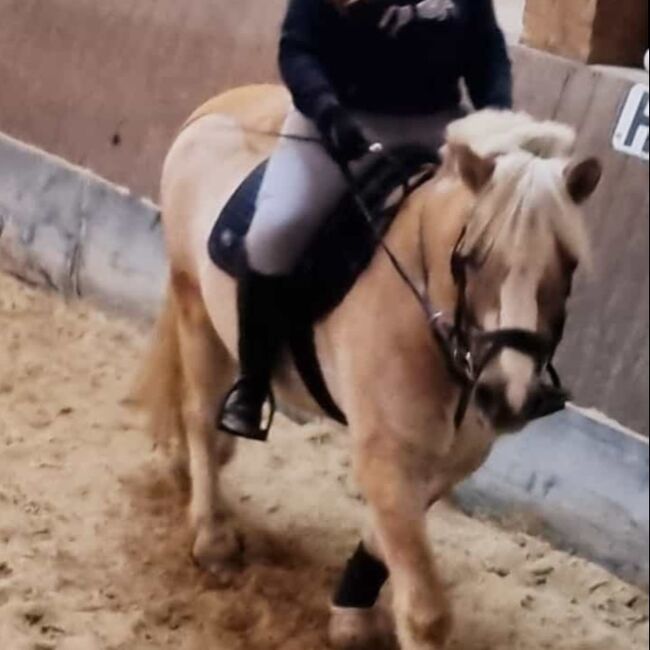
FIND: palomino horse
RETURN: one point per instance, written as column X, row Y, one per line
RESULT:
column 506, row 202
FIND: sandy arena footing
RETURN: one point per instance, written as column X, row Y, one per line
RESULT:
column 94, row 550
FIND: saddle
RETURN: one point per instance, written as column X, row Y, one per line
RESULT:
column 340, row 252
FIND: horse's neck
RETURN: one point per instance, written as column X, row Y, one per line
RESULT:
column 425, row 233
column 381, row 337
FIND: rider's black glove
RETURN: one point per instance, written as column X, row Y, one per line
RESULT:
column 343, row 135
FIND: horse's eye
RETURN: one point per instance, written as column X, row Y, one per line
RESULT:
column 458, row 266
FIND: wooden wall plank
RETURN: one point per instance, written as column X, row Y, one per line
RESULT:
column 613, row 32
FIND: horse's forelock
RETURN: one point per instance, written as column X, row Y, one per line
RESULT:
column 492, row 132
column 526, row 208
column 526, row 212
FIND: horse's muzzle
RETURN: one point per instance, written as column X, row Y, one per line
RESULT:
column 542, row 401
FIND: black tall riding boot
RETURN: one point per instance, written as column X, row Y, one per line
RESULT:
column 260, row 304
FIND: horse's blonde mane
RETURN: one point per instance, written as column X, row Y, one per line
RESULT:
column 493, row 133
column 526, row 209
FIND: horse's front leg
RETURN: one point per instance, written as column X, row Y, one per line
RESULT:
column 398, row 498
column 358, row 620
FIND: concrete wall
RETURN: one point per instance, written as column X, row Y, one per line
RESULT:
column 68, row 230
column 105, row 85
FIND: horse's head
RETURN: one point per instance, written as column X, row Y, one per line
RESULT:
column 514, row 265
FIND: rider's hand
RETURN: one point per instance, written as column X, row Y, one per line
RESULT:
column 343, row 135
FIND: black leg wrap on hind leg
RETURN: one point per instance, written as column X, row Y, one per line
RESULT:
column 362, row 581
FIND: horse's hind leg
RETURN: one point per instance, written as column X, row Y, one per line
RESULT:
column 208, row 371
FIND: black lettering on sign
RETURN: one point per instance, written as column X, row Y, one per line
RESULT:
column 640, row 124
column 632, row 134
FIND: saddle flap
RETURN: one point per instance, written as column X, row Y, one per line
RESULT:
column 226, row 243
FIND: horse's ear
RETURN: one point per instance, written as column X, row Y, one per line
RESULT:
column 583, row 178
column 475, row 171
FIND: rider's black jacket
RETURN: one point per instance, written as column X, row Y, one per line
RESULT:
column 396, row 57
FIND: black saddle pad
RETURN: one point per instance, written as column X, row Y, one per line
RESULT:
column 345, row 244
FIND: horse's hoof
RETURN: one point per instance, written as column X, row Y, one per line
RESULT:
column 219, row 548
column 431, row 632
column 361, row 629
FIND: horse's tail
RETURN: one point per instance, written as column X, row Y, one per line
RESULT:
column 159, row 390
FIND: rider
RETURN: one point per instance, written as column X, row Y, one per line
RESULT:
column 359, row 71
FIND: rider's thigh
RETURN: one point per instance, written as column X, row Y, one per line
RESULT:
column 301, row 187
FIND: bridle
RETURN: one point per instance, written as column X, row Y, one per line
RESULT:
column 467, row 349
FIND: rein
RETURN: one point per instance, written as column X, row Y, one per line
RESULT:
column 408, row 187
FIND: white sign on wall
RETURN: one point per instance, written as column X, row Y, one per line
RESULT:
column 632, row 135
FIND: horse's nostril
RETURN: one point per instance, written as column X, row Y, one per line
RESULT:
column 546, row 400
column 492, row 401
column 488, row 397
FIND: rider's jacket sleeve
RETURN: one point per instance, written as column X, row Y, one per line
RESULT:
column 306, row 24
column 489, row 70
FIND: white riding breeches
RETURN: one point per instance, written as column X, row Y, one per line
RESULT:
column 303, row 185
